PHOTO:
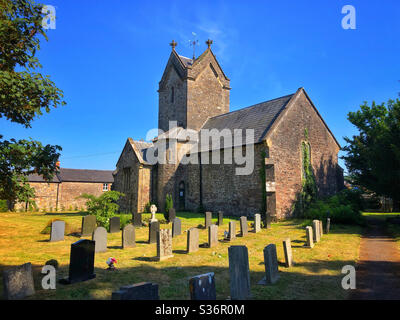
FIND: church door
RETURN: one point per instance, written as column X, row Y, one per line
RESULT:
column 181, row 195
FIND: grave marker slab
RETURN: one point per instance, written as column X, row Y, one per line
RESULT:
column 171, row 215
column 243, row 226
column 212, row 235
column 176, row 227
column 239, row 272
column 88, row 225
column 208, row 219
column 138, row 291
column 164, row 244
column 220, row 218
column 137, row 219
column 267, row 221
column 202, row 287
column 100, row 238
column 316, row 229
column 115, row 225
column 257, row 222
column 328, row 225
column 128, row 237
column 192, row 240
column 321, row 228
column 154, row 227
column 232, row 230
column 287, row 248
column 271, row 265
column 310, row 237
column 57, row 231
column 18, row 282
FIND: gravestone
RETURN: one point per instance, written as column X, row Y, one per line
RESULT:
column 137, row 220
column 287, row 249
column 232, row 230
column 239, row 272
column 220, row 218
column 171, row 215
column 18, row 282
column 316, row 229
column 208, row 219
column 176, row 227
column 310, row 238
column 192, row 240
column 202, row 287
column 154, row 227
column 57, row 231
column 271, row 265
column 153, row 210
column 115, row 225
column 128, row 236
column 321, row 228
column 138, row 291
column 267, row 221
column 100, row 237
column 164, row 244
column 88, row 225
column 212, row 235
column 328, row 225
column 257, row 222
column 243, row 226
column 81, row 262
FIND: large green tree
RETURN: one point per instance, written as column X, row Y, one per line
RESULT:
column 373, row 156
column 24, row 95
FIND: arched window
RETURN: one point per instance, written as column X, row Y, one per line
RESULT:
column 172, row 94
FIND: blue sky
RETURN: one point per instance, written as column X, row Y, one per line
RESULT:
column 108, row 57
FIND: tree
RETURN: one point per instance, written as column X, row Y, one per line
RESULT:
column 373, row 156
column 24, row 95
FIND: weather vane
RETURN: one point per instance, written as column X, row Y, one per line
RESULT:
column 193, row 43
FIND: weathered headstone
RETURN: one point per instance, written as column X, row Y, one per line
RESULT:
column 192, row 240
column 88, row 225
column 243, row 226
column 321, row 228
column 287, row 249
column 208, row 219
column 176, row 227
column 310, row 238
column 81, row 262
column 239, row 272
column 220, row 218
column 212, row 235
column 164, row 244
column 267, row 221
column 328, row 225
column 18, row 282
column 100, row 237
column 137, row 219
column 202, row 287
column 316, row 229
column 57, row 231
column 257, row 222
column 271, row 265
column 232, row 230
column 138, row 291
column 153, row 210
column 128, row 237
column 154, row 227
column 171, row 215
column 115, row 225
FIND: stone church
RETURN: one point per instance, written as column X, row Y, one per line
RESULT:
column 194, row 95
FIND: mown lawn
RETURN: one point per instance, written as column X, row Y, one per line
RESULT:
column 315, row 275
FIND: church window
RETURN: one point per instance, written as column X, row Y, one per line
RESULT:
column 172, row 94
column 105, row 186
column 127, row 179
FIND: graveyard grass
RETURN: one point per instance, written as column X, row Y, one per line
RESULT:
column 316, row 273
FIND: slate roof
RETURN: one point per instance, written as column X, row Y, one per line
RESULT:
column 140, row 148
column 186, row 61
column 77, row 175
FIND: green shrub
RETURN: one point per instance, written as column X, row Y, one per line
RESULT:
column 168, row 205
column 3, row 206
column 125, row 220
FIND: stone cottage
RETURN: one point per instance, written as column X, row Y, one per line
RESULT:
column 194, row 98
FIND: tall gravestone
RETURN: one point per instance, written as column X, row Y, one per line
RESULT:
column 164, row 244
column 316, row 229
column 321, row 228
column 212, row 235
column 176, row 227
column 171, row 215
column 267, row 221
column 239, row 272
column 232, row 230
column 81, row 262
column 310, row 238
column 18, row 282
column 115, row 224
column 137, row 219
column 220, row 218
column 208, row 219
column 257, row 222
column 138, row 291
column 88, row 225
column 154, row 228
column 271, row 265
column 192, row 240
column 243, row 226
column 287, row 249
column 202, row 287
column 57, row 231
column 100, row 238
column 328, row 225
column 128, row 237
